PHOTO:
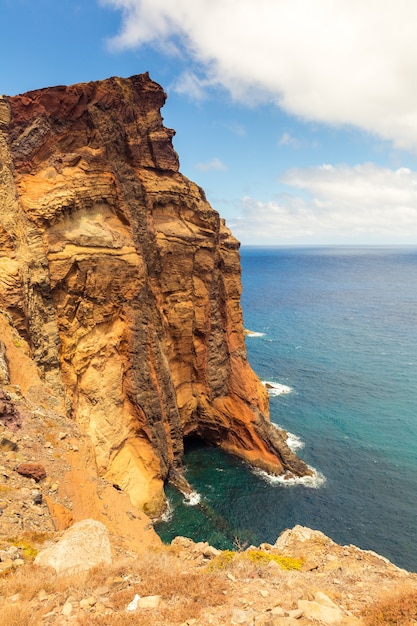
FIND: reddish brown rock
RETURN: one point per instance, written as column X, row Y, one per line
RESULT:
column 125, row 285
column 32, row 470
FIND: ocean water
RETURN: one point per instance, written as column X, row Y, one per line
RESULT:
column 335, row 333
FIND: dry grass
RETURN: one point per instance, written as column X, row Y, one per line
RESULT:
column 14, row 615
column 397, row 610
column 186, row 592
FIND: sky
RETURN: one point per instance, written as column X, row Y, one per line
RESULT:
column 297, row 117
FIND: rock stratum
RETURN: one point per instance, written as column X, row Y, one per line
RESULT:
column 120, row 291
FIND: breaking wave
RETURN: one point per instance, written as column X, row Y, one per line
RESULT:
column 168, row 513
column 192, row 499
column 315, row 481
column 294, row 442
column 276, row 389
column 253, row 333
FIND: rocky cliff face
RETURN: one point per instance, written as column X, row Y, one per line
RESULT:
column 122, row 286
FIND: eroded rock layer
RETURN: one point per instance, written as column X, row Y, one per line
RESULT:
column 125, row 285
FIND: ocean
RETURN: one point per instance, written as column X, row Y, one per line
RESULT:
column 334, row 330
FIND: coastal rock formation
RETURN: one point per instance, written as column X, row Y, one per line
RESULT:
column 120, row 287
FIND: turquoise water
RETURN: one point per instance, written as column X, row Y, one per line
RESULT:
column 338, row 326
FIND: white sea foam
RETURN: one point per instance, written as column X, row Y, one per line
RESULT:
column 191, row 499
column 294, row 442
column 253, row 333
column 276, row 389
column 315, row 481
column 168, row 513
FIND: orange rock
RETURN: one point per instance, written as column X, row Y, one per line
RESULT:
column 61, row 516
column 125, row 285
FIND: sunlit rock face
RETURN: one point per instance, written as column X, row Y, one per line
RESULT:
column 125, row 285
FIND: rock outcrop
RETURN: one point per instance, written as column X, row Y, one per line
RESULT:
column 120, row 287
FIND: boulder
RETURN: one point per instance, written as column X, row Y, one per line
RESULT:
column 83, row 546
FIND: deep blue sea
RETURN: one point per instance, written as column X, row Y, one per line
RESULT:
column 337, row 328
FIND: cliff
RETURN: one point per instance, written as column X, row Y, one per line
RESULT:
column 120, row 289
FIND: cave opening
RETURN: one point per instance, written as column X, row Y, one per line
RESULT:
column 195, row 442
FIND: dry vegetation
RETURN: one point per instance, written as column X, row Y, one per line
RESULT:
column 207, row 589
column 158, row 573
column 397, row 610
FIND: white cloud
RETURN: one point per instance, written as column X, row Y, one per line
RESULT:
column 215, row 164
column 190, row 84
column 234, row 127
column 362, row 204
column 347, row 62
column 288, row 140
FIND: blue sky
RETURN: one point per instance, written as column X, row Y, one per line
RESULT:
column 297, row 117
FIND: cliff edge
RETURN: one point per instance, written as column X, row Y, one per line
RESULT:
column 121, row 287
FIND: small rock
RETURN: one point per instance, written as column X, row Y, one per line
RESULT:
column 211, row 552
column 48, row 615
column 32, row 470
column 295, row 613
column 321, row 612
column 67, row 609
column 42, row 595
column 264, row 593
column 88, row 603
column 231, row 577
column 6, row 565
column 11, row 553
column 241, row 617
column 278, row 611
column 132, row 606
column 100, row 608
column 323, row 599
column 149, row 602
